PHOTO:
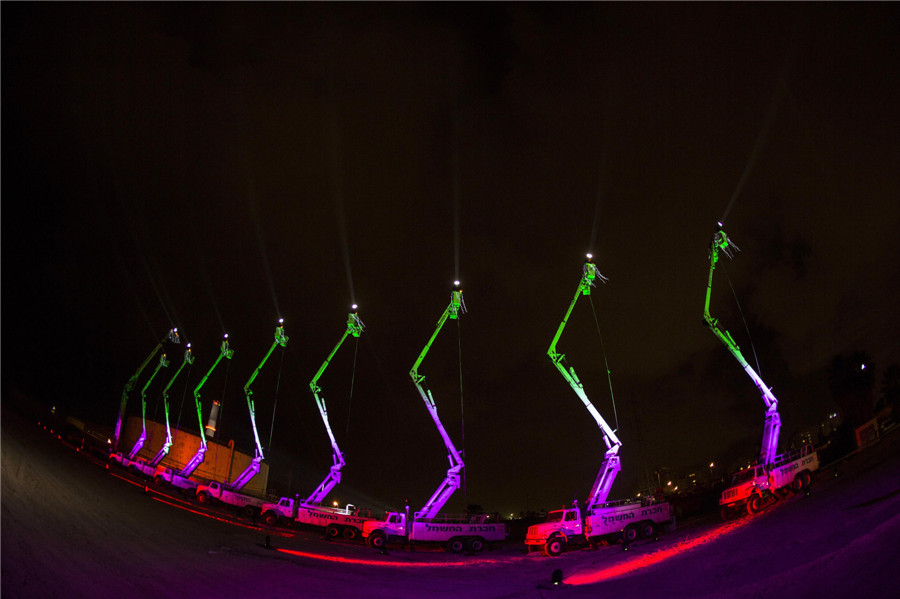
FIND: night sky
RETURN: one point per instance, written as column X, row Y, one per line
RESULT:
column 216, row 167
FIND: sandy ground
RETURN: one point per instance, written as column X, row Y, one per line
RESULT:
column 72, row 528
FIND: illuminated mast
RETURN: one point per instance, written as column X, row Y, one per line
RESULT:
column 251, row 470
column 224, row 352
column 143, row 436
column 355, row 326
column 772, row 426
column 452, row 482
column 610, row 466
column 172, row 336
column 164, row 450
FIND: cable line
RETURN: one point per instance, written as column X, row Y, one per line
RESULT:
column 352, row 379
column 605, row 362
column 275, row 405
column 746, row 328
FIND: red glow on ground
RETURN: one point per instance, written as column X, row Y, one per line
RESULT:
column 187, row 508
column 394, row 564
column 643, row 561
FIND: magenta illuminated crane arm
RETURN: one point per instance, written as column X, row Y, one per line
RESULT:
column 251, row 470
column 452, row 481
column 610, row 466
column 772, row 425
column 355, row 327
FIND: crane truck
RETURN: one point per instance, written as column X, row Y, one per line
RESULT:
column 772, row 475
column 182, row 478
column 171, row 336
column 347, row 521
column 230, row 493
column 149, row 468
column 600, row 519
column 131, row 458
column 456, row 532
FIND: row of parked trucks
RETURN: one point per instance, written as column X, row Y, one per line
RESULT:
column 771, row 477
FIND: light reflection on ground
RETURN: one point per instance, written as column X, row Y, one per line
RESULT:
column 642, row 561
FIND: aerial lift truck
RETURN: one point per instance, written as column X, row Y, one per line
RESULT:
column 456, row 532
column 347, row 521
column 171, row 336
column 600, row 519
column 182, row 479
column 131, row 458
column 149, row 468
column 230, row 493
column 772, row 474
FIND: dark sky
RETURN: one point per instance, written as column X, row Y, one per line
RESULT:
column 217, row 166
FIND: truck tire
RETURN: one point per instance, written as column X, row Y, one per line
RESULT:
column 203, row 497
column 455, row 545
column 350, row 533
column 630, row 534
column 377, row 539
column 332, row 531
column 555, row 546
column 476, row 544
column 159, row 481
column 797, row 486
column 754, row 504
column 271, row 518
column 807, row 479
column 250, row 512
column 648, row 529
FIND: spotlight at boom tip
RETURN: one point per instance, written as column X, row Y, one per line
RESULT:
column 353, row 307
column 590, row 256
column 280, row 321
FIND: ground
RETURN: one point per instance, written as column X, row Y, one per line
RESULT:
column 72, row 528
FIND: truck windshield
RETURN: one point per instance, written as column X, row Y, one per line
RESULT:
column 742, row 476
column 554, row 516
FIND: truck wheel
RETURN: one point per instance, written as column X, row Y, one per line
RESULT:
column 350, row 533
column 797, row 485
column 250, row 512
column 159, row 481
column 807, row 479
column 271, row 518
column 455, row 545
column 648, row 530
column 630, row 534
column 754, row 504
column 377, row 539
column 203, row 497
column 476, row 544
column 332, row 531
column 555, row 546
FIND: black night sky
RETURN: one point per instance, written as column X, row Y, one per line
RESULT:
column 218, row 166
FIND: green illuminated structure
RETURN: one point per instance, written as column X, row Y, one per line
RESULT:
column 143, row 436
column 355, row 327
column 164, row 450
column 172, row 336
column 251, row 470
column 197, row 459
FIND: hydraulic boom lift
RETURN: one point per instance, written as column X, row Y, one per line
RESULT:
column 610, row 467
column 172, row 336
column 251, row 470
column 455, row 532
column 452, row 481
column 772, row 473
column 721, row 243
column 627, row 519
column 164, row 450
column 143, row 436
column 355, row 327
column 197, row 459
